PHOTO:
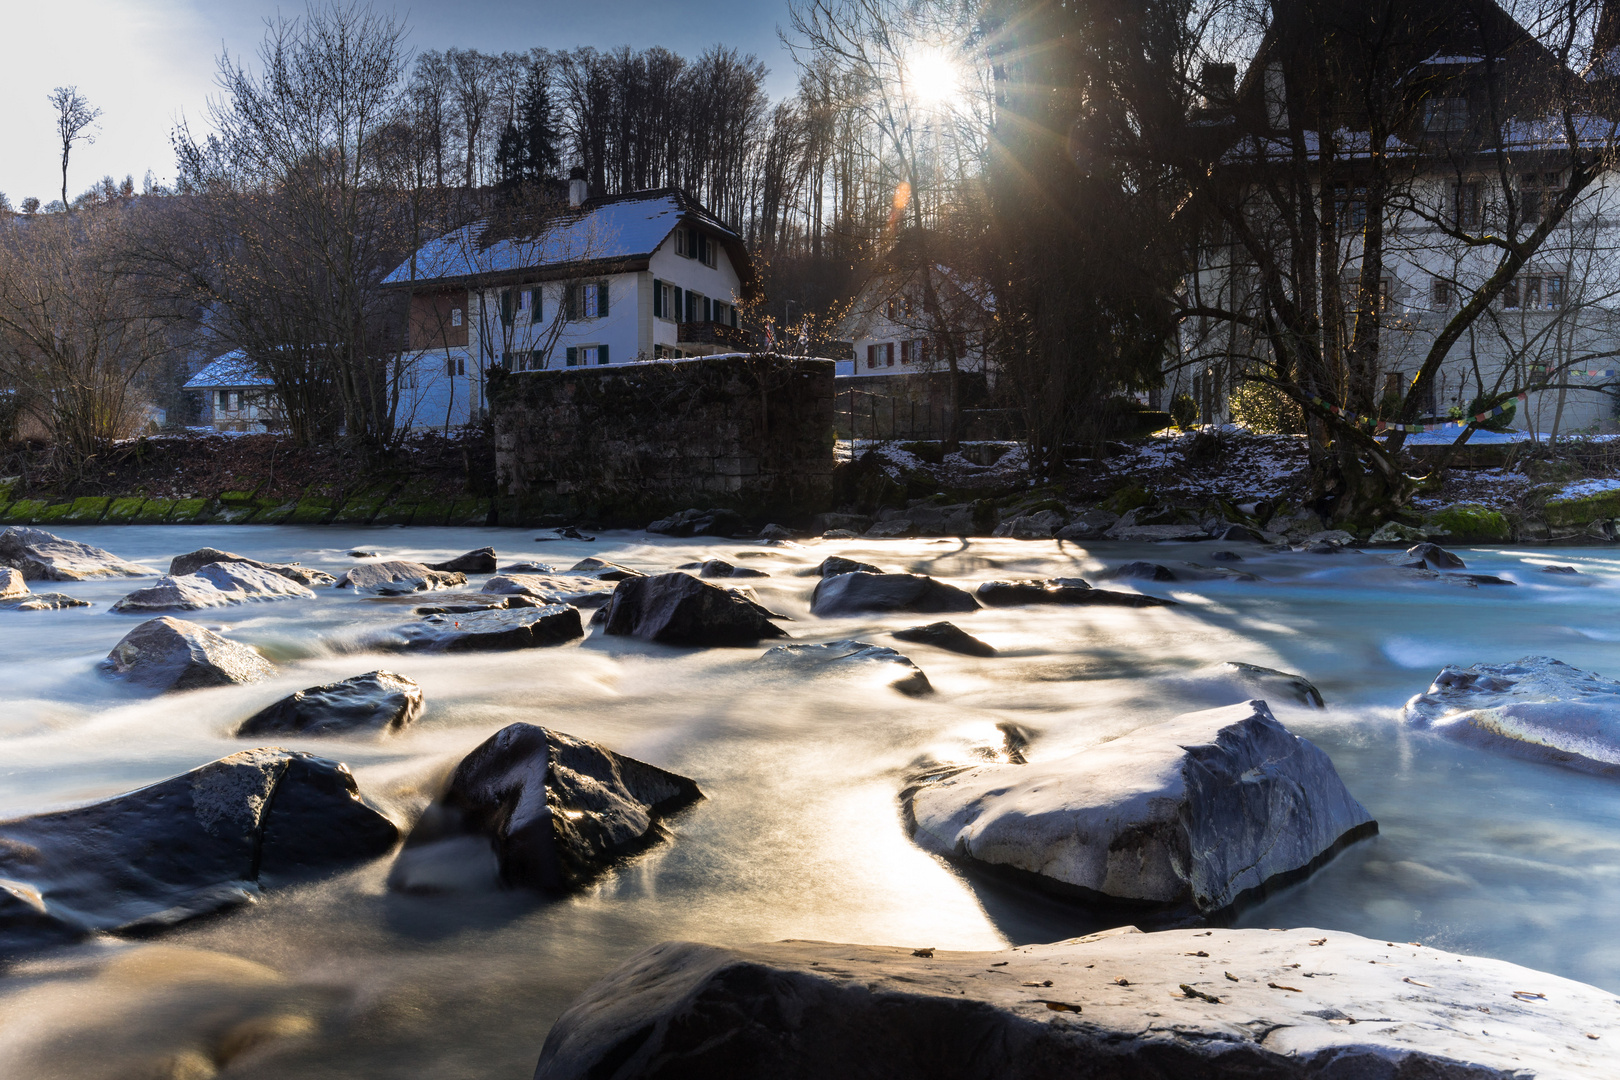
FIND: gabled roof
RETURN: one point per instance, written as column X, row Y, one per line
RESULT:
column 230, row 370
column 601, row 234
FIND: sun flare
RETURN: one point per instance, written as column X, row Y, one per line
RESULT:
column 933, row 77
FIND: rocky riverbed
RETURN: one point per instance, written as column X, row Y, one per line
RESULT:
column 570, row 795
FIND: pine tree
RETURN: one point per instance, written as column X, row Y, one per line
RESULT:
column 539, row 133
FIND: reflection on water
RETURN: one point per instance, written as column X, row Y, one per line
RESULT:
column 800, row 836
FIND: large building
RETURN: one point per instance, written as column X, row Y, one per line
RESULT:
column 607, row 280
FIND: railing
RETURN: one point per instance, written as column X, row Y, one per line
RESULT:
column 713, row 333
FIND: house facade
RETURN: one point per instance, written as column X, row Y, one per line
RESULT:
column 233, row 394
column 892, row 332
column 1480, row 156
column 608, row 280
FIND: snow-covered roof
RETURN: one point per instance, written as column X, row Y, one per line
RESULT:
column 607, row 229
column 232, row 369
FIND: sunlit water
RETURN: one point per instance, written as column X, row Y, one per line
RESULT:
column 800, row 835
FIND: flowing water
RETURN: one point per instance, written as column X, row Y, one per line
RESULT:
column 800, row 835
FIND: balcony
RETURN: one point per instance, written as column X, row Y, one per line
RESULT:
column 713, row 333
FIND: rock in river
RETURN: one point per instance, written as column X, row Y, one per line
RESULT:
column 833, row 565
column 214, row 585
column 494, row 629
column 719, row 568
column 193, row 844
column 849, row 657
column 375, row 701
column 481, row 561
column 679, row 609
column 396, row 577
column 14, row 595
column 1061, row 591
column 1146, row 571
column 1434, row 557
column 603, row 570
column 577, row 589
column 1299, row 1004
column 169, row 654
column 1191, row 816
column 1535, row 707
column 553, row 810
column 948, row 636
column 193, row 561
column 43, row 556
column 859, row 591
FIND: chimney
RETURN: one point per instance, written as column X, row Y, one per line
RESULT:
column 578, row 189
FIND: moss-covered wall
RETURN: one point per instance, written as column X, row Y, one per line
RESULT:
column 623, row 444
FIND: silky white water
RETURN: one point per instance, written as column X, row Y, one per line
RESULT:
column 800, row 835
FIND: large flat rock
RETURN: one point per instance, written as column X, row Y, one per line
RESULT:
column 220, row 584
column 491, row 630
column 576, row 589
column 1535, row 707
column 192, row 561
column 549, row 810
column 395, row 577
column 187, row 846
column 375, row 701
column 1299, row 1004
column 1190, row 817
column 43, row 556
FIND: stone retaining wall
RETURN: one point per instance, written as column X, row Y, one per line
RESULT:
column 366, row 504
column 627, row 443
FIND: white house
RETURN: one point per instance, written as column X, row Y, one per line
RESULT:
column 892, row 333
column 606, row 280
column 234, row 394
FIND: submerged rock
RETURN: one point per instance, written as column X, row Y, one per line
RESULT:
column 170, row 654
column 1535, row 707
column 1434, row 557
column 948, row 636
column 860, row 591
column 214, row 585
column 1060, row 591
column 1145, row 571
column 193, row 561
column 726, row 523
column 395, row 577
column 481, row 561
column 848, row 657
column 679, row 609
column 43, row 556
column 603, row 570
column 1191, row 817
column 1120, row 1005
column 577, row 589
column 197, row 843
column 491, row 630
column 553, row 810
column 375, row 701
column 833, row 565
column 1559, row 570
column 719, row 568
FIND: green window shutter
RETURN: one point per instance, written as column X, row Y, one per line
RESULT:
column 602, row 350
column 679, row 314
column 573, row 356
column 658, row 298
column 708, row 310
column 535, row 305
column 571, row 304
column 602, row 300
column 507, row 302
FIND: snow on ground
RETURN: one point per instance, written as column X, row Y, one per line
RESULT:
column 1230, row 463
column 1582, row 488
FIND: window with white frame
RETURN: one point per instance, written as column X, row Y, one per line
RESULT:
column 880, row 355
column 586, row 355
column 1534, row 292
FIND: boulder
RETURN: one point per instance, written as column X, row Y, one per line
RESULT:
column 947, row 636
column 466, row 603
column 214, row 585
column 851, row 658
column 1092, row 524
column 1060, row 591
column 576, row 589
column 679, row 609
column 14, row 595
column 833, row 565
column 1042, row 525
column 1535, row 707
column 774, row 531
column 701, row 523
column 860, row 591
column 553, row 811
column 1238, row 534
column 481, row 561
column 1191, row 817
column 719, row 568
column 491, row 630
column 1334, row 537
column 1143, row 571
column 1225, row 556
column 395, row 577
column 1434, row 557
column 1469, row 523
column 191, row 845
column 1394, row 534
column 1559, row 570
column 1302, row 1004
column 193, row 561
column 375, row 701
column 43, row 556
column 12, row 584
column 530, row 568
column 840, row 534
column 167, row 654
column 603, row 570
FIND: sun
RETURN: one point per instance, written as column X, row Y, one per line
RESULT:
column 933, row 77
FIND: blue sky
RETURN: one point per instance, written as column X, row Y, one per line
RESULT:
column 147, row 62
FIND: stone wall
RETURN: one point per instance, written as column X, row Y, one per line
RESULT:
column 623, row 444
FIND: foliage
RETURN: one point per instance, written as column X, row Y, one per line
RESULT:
column 1266, row 410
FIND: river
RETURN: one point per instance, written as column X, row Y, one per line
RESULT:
column 800, row 836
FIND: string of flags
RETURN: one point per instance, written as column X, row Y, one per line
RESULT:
column 1381, row 426
column 1609, row 374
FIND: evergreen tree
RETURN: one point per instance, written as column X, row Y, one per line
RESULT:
column 539, row 133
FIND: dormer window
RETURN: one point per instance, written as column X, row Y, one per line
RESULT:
column 1445, row 112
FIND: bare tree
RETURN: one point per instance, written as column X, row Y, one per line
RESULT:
column 74, row 116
